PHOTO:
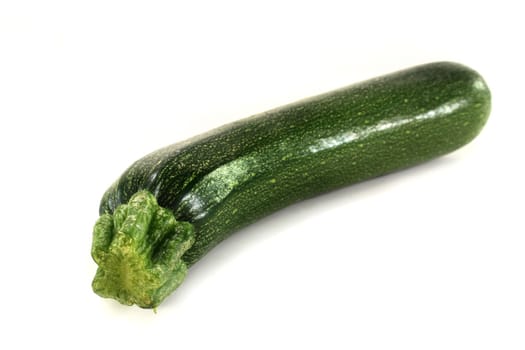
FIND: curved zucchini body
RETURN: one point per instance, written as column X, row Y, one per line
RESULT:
column 218, row 182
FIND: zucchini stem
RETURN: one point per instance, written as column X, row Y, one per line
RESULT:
column 139, row 252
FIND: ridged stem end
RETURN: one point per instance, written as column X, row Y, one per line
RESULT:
column 138, row 250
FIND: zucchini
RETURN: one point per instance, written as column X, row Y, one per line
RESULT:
column 171, row 207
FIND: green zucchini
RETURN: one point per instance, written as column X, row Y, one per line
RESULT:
column 171, row 207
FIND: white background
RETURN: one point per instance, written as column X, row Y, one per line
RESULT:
column 429, row 258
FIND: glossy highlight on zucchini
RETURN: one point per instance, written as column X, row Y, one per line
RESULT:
column 171, row 207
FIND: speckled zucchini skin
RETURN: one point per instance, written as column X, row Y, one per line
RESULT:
column 236, row 174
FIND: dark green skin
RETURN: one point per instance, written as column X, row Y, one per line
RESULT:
column 234, row 175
